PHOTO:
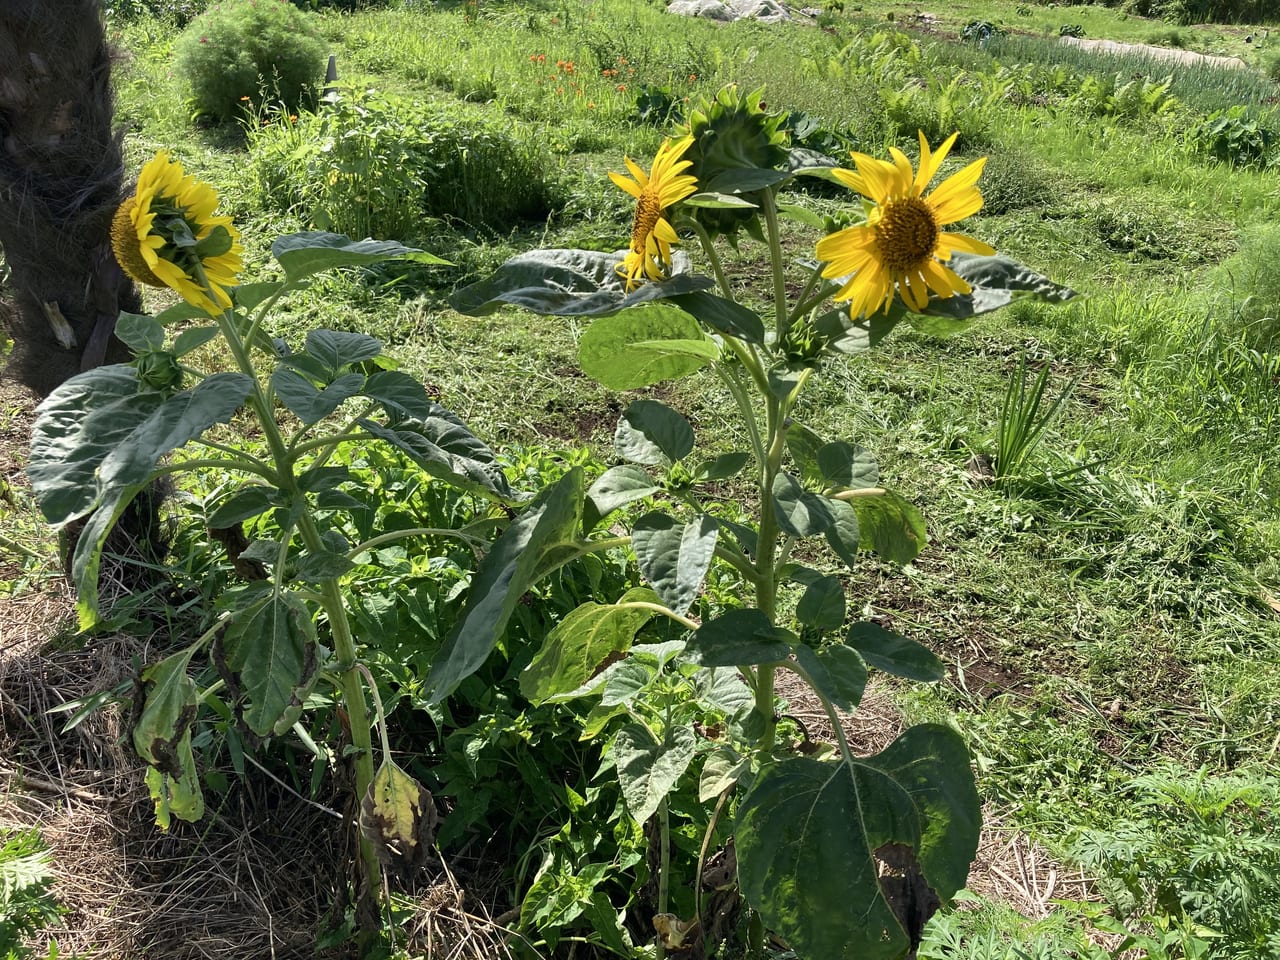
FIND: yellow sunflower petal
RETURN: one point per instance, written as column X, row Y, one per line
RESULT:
column 930, row 162
column 626, row 183
column 955, row 198
column 637, row 171
column 851, row 180
column 950, row 242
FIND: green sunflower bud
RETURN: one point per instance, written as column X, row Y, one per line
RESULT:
column 736, row 147
column 160, row 371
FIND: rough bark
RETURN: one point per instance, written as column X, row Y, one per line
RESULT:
column 61, row 178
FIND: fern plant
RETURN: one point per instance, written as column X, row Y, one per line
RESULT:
column 1200, row 851
column 26, row 904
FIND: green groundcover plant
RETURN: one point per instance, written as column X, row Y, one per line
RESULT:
column 839, row 855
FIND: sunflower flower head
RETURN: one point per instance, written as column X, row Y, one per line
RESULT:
column 903, row 248
column 734, row 133
column 652, row 235
column 166, row 235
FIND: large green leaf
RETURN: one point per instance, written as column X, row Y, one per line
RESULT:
column 799, row 512
column 95, row 434
column 844, row 335
column 568, row 283
column 803, row 443
column 302, row 254
column 744, row 179
column 252, row 501
column 76, row 427
column 807, row 833
column 724, row 467
column 402, row 396
column 306, row 401
column 335, row 349
column 836, row 672
column 996, row 281
column 890, row 526
column 642, row 347
column 615, row 488
column 674, row 556
column 739, row 637
column 894, row 654
column 723, row 316
column 578, row 645
column 931, row 763
column 270, row 653
column 822, row 605
column 443, row 446
column 844, row 536
column 95, row 446
column 650, row 432
column 648, row 770
column 505, row 574
column 139, row 332
column 847, row 466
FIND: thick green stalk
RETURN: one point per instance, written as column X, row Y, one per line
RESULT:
column 770, row 211
column 664, row 868
column 335, row 609
column 709, row 248
column 766, row 572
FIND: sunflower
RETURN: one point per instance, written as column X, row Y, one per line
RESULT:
column 902, row 246
column 651, row 234
column 166, row 235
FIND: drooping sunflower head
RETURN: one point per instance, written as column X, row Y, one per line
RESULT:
column 666, row 183
column 166, row 235
column 734, row 132
column 902, row 248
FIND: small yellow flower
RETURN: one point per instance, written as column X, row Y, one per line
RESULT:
column 902, row 247
column 651, row 234
column 166, row 234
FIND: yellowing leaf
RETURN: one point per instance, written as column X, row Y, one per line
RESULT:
column 398, row 817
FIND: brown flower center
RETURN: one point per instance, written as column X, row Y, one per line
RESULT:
column 906, row 234
column 128, row 251
column 648, row 212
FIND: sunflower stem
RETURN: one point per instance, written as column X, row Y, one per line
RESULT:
column 770, row 210
column 709, row 248
column 344, row 646
column 805, row 303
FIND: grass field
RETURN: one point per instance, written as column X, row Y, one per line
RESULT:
column 1110, row 617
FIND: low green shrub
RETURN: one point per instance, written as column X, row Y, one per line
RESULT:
column 246, row 53
column 373, row 165
column 1236, row 137
column 980, row 31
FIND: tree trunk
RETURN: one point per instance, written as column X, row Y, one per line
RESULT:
column 61, row 178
